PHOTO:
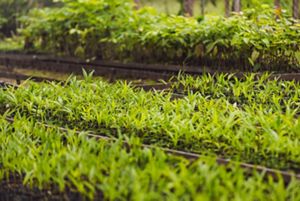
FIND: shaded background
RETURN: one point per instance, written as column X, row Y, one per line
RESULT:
column 12, row 10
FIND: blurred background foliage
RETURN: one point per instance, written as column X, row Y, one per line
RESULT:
column 121, row 30
column 211, row 7
column 11, row 10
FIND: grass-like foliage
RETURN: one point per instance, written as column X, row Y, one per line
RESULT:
column 47, row 158
column 251, row 120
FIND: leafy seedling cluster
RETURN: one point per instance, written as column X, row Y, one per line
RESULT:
column 113, row 30
column 254, row 121
column 49, row 159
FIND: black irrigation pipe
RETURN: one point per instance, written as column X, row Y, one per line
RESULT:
column 274, row 173
column 115, row 70
column 18, row 78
